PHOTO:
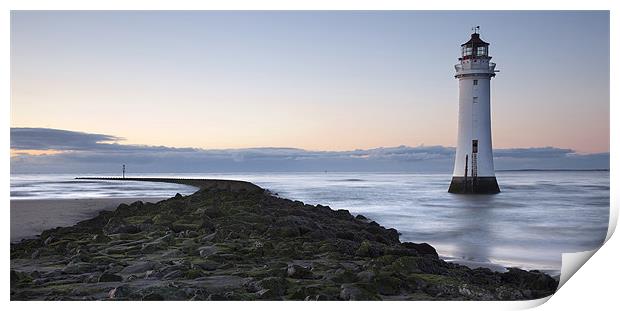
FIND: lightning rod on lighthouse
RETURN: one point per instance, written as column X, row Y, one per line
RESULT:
column 473, row 165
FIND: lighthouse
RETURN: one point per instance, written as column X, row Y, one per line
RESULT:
column 473, row 165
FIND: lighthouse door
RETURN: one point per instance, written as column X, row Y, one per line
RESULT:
column 474, row 158
column 474, row 164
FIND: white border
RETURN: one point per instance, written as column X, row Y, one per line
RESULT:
column 596, row 283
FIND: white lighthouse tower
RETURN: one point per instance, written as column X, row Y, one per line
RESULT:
column 473, row 165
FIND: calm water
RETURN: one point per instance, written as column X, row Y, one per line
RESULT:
column 536, row 217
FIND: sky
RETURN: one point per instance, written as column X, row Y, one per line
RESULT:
column 325, row 83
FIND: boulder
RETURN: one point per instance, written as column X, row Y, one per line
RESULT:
column 78, row 268
column 206, row 251
column 342, row 276
column 368, row 249
column 119, row 292
column 154, row 246
column 353, row 292
column 173, row 275
column 533, row 280
column 366, row 276
column 207, row 265
column 298, row 272
column 422, row 248
column 108, row 277
column 116, row 225
column 388, row 285
column 361, row 218
column 138, row 267
column 271, row 287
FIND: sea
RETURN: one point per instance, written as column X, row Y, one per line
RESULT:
column 537, row 216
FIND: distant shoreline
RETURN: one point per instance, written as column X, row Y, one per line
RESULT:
column 114, row 175
column 555, row 170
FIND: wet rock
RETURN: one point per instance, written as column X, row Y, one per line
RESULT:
column 534, row 280
column 117, row 225
column 422, row 248
column 175, row 253
column 206, row 251
column 173, row 275
column 78, row 268
column 19, row 278
column 361, row 217
column 154, row 246
column 49, row 241
column 167, row 238
column 121, row 249
column 191, row 234
column 163, row 219
column 35, row 274
column 341, row 246
column 299, row 272
column 342, row 276
column 182, row 226
column 138, row 267
column 150, row 274
column 388, row 285
column 406, row 265
column 506, row 293
column 119, row 292
column 366, row 276
column 208, row 237
column 113, row 268
column 432, row 266
column 307, row 292
column 474, row 292
column 108, row 277
column 368, row 249
column 207, row 226
column 319, row 297
column 353, row 292
column 206, row 265
column 153, row 297
column 271, row 287
column 220, row 296
column 393, row 235
column 35, row 254
column 343, row 214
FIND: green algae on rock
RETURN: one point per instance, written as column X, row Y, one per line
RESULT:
column 219, row 244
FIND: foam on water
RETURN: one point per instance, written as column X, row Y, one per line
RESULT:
column 536, row 217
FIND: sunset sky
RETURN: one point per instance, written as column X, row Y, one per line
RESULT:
column 331, row 81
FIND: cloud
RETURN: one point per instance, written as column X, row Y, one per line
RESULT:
column 97, row 153
column 25, row 138
column 544, row 152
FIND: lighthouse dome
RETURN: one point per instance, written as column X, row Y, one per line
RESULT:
column 475, row 48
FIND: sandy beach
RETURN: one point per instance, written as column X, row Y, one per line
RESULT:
column 31, row 217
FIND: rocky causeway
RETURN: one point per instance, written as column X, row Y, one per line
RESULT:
column 242, row 242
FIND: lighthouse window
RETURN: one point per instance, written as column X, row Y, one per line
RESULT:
column 475, row 82
column 467, row 50
column 475, row 99
column 481, row 51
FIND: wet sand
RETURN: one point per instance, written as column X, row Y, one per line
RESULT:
column 30, row 217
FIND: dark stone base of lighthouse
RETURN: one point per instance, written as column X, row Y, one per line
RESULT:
column 476, row 185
